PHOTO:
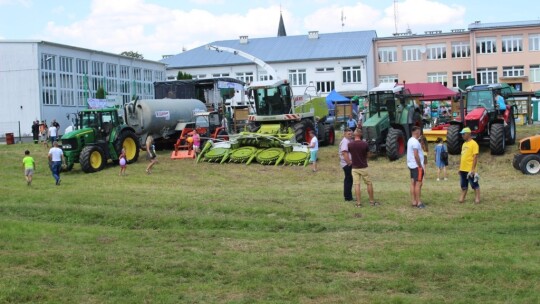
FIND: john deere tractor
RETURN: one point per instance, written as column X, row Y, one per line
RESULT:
column 277, row 132
column 392, row 114
column 100, row 135
column 481, row 115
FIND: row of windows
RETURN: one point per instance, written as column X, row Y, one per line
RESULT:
column 483, row 75
column 460, row 49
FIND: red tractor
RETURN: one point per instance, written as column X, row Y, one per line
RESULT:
column 483, row 116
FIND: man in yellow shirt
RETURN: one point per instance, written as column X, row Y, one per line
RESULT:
column 467, row 166
column 29, row 166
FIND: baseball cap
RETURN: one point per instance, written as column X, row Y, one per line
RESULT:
column 465, row 130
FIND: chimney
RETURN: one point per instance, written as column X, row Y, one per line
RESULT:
column 243, row 39
column 313, row 34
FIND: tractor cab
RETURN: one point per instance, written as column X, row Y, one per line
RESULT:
column 271, row 97
column 103, row 121
column 208, row 124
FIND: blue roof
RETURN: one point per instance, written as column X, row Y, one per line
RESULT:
column 279, row 49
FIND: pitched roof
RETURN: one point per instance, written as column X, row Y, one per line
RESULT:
column 279, row 49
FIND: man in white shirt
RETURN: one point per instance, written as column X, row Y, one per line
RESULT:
column 56, row 158
column 314, row 149
column 345, row 162
column 53, row 132
column 415, row 162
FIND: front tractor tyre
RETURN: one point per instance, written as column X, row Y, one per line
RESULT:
column 530, row 164
column 128, row 141
column 301, row 131
column 395, row 144
column 92, row 159
column 454, row 139
column 511, row 129
column 497, row 143
column 517, row 160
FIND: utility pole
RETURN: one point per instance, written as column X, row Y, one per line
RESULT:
column 395, row 16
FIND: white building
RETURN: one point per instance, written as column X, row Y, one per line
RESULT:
column 45, row 81
column 314, row 62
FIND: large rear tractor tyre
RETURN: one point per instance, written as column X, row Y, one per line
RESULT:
column 511, row 129
column 517, row 160
column 329, row 135
column 130, row 142
column 301, row 131
column 92, row 159
column 454, row 141
column 395, row 144
column 530, row 164
column 497, row 142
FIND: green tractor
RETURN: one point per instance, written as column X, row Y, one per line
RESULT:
column 277, row 132
column 99, row 136
column 392, row 114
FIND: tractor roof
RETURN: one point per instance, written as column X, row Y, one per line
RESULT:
column 387, row 87
column 267, row 83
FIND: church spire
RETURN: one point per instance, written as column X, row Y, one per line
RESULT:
column 281, row 29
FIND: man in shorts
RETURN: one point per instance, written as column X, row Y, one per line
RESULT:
column 467, row 166
column 415, row 162
column 314, row 149
column 359, row 151
column 29, row 166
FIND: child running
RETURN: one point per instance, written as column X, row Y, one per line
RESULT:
column 29, row 166
column 123, row 163
column 440, row 161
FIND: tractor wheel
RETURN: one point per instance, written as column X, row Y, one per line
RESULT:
column 128, row 141
column 92, row 159
column 496, row 139
column 301, row 131
column 517, row 160
column 329, row 135
column 530, row 164
column 511, row 129
column 454, row 139
column 395, row 144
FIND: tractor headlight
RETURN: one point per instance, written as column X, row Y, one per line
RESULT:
column 66, row 146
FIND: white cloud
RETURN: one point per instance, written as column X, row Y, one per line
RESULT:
column 25, row 3
column 58, row 10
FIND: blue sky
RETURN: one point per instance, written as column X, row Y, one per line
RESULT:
column 160, row 27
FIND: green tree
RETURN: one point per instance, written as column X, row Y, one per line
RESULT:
column 132, row 54
column 181, row 75
column 100, row 93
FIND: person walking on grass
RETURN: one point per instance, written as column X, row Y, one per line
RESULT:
column 441, row 158
column 56, row 158
column 346, row 164
column 467, row 167
column 29, row 166
column 359, row 150
column 53, row 132
column 44, row 131
column 122, row 162
column 150, row 153
column 415, row 163
column 314, row 149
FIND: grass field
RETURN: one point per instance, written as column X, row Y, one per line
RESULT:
column 207, row 233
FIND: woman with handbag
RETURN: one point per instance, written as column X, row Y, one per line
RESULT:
column 441, row 158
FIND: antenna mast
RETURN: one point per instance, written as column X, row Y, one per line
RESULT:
column 395, row 15
column 342, row 20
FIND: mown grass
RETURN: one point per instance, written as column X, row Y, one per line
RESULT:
column 231, row 233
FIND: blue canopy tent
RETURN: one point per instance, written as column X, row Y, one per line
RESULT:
column 334, row 97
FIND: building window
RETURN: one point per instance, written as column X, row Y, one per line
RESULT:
column 81, row 98
column 440, row 77
column 97, row 68
column 534, row 42
column 325, row 86
column 321, row 70
column 112, row 70
column 82, row 66
column 66, row 81
column 298, row 77
column 511, row 44
column 436, row 51
column 352, row 74
column 513, row 71
column 457, row 76
column 148, row 75
column 124, row 72
column 387, row 54
column 535, row 73
column 66, row 98
column 197, row 76
column 486, row 75
column 263, row 76
column 486, row 45
column 49, row 97
column 387, row 78
column 158, row 76
column 48, row 62
column 220, row 75
column 66, row 64
column 48, row 79
column 246, row 77
column 461, row 49
column 411, row 53
column 137, row 74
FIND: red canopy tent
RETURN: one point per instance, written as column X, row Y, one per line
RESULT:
column 431, row 91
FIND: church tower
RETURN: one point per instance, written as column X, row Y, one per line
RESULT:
column 281, row 29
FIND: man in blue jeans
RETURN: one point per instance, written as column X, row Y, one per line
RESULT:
column 345, row 162
column 56, row 158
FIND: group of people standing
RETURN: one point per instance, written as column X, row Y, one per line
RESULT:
column 42, row 132
column 354, row 155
